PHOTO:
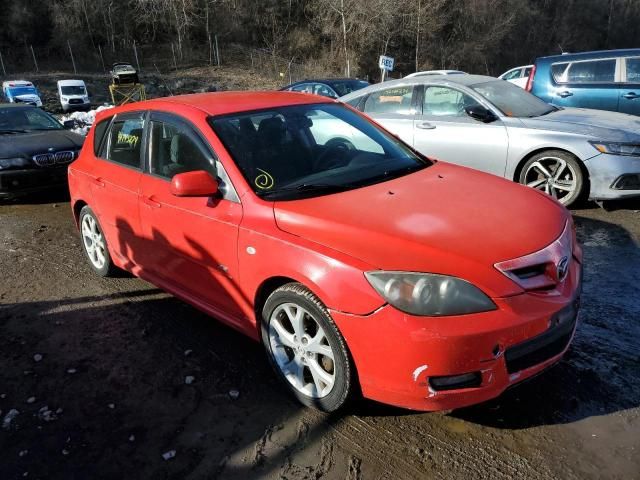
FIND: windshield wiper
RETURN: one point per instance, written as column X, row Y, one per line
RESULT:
column 306, row 188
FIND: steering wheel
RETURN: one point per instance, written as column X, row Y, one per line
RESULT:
column 335, row 154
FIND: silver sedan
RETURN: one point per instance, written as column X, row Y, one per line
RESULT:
column 492, row 125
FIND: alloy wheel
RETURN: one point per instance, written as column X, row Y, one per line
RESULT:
column 93, row 241
column 554, row 176
column 301, row 350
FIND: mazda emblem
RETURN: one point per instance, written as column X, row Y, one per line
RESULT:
column 562, row 268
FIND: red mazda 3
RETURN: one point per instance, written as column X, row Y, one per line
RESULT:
column 361, row 265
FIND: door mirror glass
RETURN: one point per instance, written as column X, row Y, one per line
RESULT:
column 198, row 183
column 478, row 112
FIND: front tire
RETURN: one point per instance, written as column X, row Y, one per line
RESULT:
column 94, row 244
column 306, row 349
column 556, row 173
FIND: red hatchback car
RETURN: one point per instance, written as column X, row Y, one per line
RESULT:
column 361, row 265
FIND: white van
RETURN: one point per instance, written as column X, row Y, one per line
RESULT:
column 73, row 95
column 21, row 91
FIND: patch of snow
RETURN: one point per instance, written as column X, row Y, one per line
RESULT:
column 169, row 455
column 83, row 120
column 189, row 379
column 9, row 417
column 37, row 357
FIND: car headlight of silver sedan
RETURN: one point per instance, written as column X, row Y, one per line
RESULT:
column 630, row 149
column 13, row 162
column 429, row 294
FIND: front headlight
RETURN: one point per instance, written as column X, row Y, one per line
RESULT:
column 631, row 149
column 429, row 294
column 65, row 99
column 13, row 162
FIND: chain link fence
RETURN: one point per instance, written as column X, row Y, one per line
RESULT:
column 157, row 58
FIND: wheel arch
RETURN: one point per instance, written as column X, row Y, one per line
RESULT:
column 266, row 288
column 78, row 205
column 516, row 173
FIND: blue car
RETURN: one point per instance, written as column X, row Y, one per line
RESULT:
column 604, row 80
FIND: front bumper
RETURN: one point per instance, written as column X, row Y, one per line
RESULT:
column 399, row 357
column 14, row 183
column 604, row 172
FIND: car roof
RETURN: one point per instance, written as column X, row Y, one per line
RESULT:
column 435, row 72
column 71, row 83
column 18, row 83
column 222, row 103
column 15, row 106
column 591, row 55
column 421, row 80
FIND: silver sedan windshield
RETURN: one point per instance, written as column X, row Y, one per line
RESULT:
column 512, row 100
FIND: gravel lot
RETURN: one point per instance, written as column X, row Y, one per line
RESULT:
column 97, row 367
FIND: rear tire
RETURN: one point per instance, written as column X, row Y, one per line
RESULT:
column 94, row 244
column 556, row 173
column 306, row 349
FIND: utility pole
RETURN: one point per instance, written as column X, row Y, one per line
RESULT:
column 73, row 62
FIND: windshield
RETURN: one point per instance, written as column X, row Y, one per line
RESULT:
column 73, row 90
column 512, row 100
column 343, row 88
column 23, row 91
column 299, row 151
column 27, row 119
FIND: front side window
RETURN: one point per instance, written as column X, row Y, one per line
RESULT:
column 396, row 100
column 174, row 148
column 445, row 101
column 512, row 100
column 595, row 71
column 323, row 90
column 304, row 87
column 308, row 150
column 125, row 141
column 633, row 70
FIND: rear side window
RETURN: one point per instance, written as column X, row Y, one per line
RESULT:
column 125, row 141
column 596, row 71
column 392, row 100
column 98, row 135
column 512, row 75
column 633, row 70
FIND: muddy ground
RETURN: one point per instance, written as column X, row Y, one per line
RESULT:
column 108, row 397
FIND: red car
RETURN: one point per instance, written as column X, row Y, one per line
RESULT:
column 360, row 265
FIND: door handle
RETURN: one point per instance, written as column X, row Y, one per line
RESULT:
column 150, row 202
column 98, row 182
column 630, row 95
column 426, row 126
column 565, row 94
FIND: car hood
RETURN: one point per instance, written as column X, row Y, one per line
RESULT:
column 443, row 219
column 29, row 144
column 599, row 124
column 29, row 97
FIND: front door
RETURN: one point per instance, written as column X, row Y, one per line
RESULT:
column 444, row 131
column 192, row 240
column 394, row 109
column 115, row 181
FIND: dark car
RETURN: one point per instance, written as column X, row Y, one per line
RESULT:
column 124, row 73
column 331, row 87
column 604, row 80
column 35, row 150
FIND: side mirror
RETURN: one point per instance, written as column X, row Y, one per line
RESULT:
column 69, row 124
column 478, row 112
column 194, row 184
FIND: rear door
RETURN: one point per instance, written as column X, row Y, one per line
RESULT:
column 586, row 84
column 192, row 240
column 395, row 109
column 629, row 101
column 444, row 131
column 115, row 180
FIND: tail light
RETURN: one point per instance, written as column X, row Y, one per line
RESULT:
column 530, row 79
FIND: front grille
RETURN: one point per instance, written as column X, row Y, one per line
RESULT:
column 48, row 159
column 75, row 101
column 546, row 345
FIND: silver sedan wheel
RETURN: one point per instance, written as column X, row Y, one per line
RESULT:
column 554, row 176
column 301, row 350
column 93, row 241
